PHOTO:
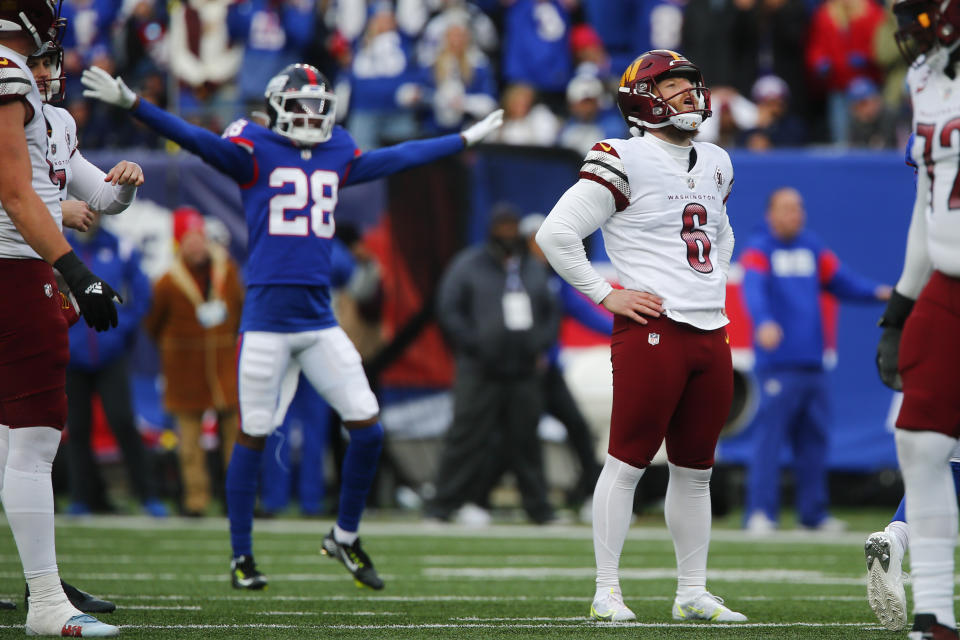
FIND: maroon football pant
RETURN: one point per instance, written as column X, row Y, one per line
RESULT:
column 929, row 353
column 34, row 347
column 670, row 381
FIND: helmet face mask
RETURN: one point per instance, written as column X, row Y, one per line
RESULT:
column 647, row 99
column 52, row 88
column 301, row 106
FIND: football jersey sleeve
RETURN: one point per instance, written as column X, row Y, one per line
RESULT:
column 14, row 81
column 87, row 184
column 222, row 154
column 604, row 166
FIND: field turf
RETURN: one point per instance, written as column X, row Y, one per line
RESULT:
column 170, row 580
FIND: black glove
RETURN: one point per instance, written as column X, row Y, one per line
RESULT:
column 888, row 350
column 94, row 296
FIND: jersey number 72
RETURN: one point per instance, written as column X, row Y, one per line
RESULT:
column 321, row 188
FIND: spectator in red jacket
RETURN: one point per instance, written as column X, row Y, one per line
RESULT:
column 839, row 49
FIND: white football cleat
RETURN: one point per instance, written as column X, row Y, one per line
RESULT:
column 885, row 580
column 81, row 626
column 609, row 607
column 706, row 607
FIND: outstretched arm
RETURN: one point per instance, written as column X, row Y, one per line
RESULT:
column 389, row 160
column 222, row 154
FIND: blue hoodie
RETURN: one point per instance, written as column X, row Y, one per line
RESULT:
column 118, row 263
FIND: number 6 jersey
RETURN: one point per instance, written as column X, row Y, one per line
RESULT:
column 665, row 229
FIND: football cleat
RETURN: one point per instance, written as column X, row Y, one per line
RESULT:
column 926, row 627
column 609, row 607
column 244, row 574
column 80, row 599
column 79, row 626
column 885, row 591
column 7, row 605
column 706, row 607
column 355, row 559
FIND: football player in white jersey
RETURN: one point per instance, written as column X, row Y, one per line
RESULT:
column 84, row 188
column 660, row 200
column 97, row 192
column 920, row 344
column 33, row 327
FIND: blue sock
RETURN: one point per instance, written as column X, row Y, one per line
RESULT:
column 955, row 467
column 242, row 474
column 359, row 467
column 901, row 514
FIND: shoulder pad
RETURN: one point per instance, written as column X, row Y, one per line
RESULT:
column 14, row 80
column 604, row 166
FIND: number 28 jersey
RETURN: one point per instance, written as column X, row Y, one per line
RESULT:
column 289, row 204
column 936, row 152
column 670, row 225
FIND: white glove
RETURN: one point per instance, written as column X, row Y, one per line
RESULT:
column 100, row 86
column 477, row 132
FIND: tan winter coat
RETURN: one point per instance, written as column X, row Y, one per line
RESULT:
column 199, row 363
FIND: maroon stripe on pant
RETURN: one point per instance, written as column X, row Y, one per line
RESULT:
column 670, row 381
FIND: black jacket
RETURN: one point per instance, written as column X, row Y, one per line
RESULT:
column 470, row 312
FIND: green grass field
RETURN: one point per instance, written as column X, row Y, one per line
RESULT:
column 170, row 580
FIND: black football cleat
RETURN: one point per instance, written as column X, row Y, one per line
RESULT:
column 355, row 559
column 7, row 605
column 80, row 599
column 244, row 574
column 926, row 627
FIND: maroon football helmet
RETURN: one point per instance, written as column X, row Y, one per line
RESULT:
column 922, row 24
column 39, row 18
column 644, row 105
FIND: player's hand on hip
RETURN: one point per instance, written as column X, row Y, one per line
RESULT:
column 101, row 86
column 125, row 172
column 633, row 304
column 77, row 215
column 888, row 353
column 93, row 295
column 769, row 335
column 477, row 132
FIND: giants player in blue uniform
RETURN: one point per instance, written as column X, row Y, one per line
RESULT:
column 289, row 172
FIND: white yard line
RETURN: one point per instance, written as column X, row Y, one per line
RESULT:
column 480, row 625
column 160, row 527
column 723, row 575
column 176, row 577
column 327, row 613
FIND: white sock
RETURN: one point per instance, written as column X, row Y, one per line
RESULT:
column 28, row 501
column 49, row 607
column 900, row 531
column 687, row 512
column 932, row 515
column 612, row 512
column 344, row 537
column 4, row 449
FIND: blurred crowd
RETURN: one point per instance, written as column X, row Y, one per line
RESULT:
column 783, row 73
